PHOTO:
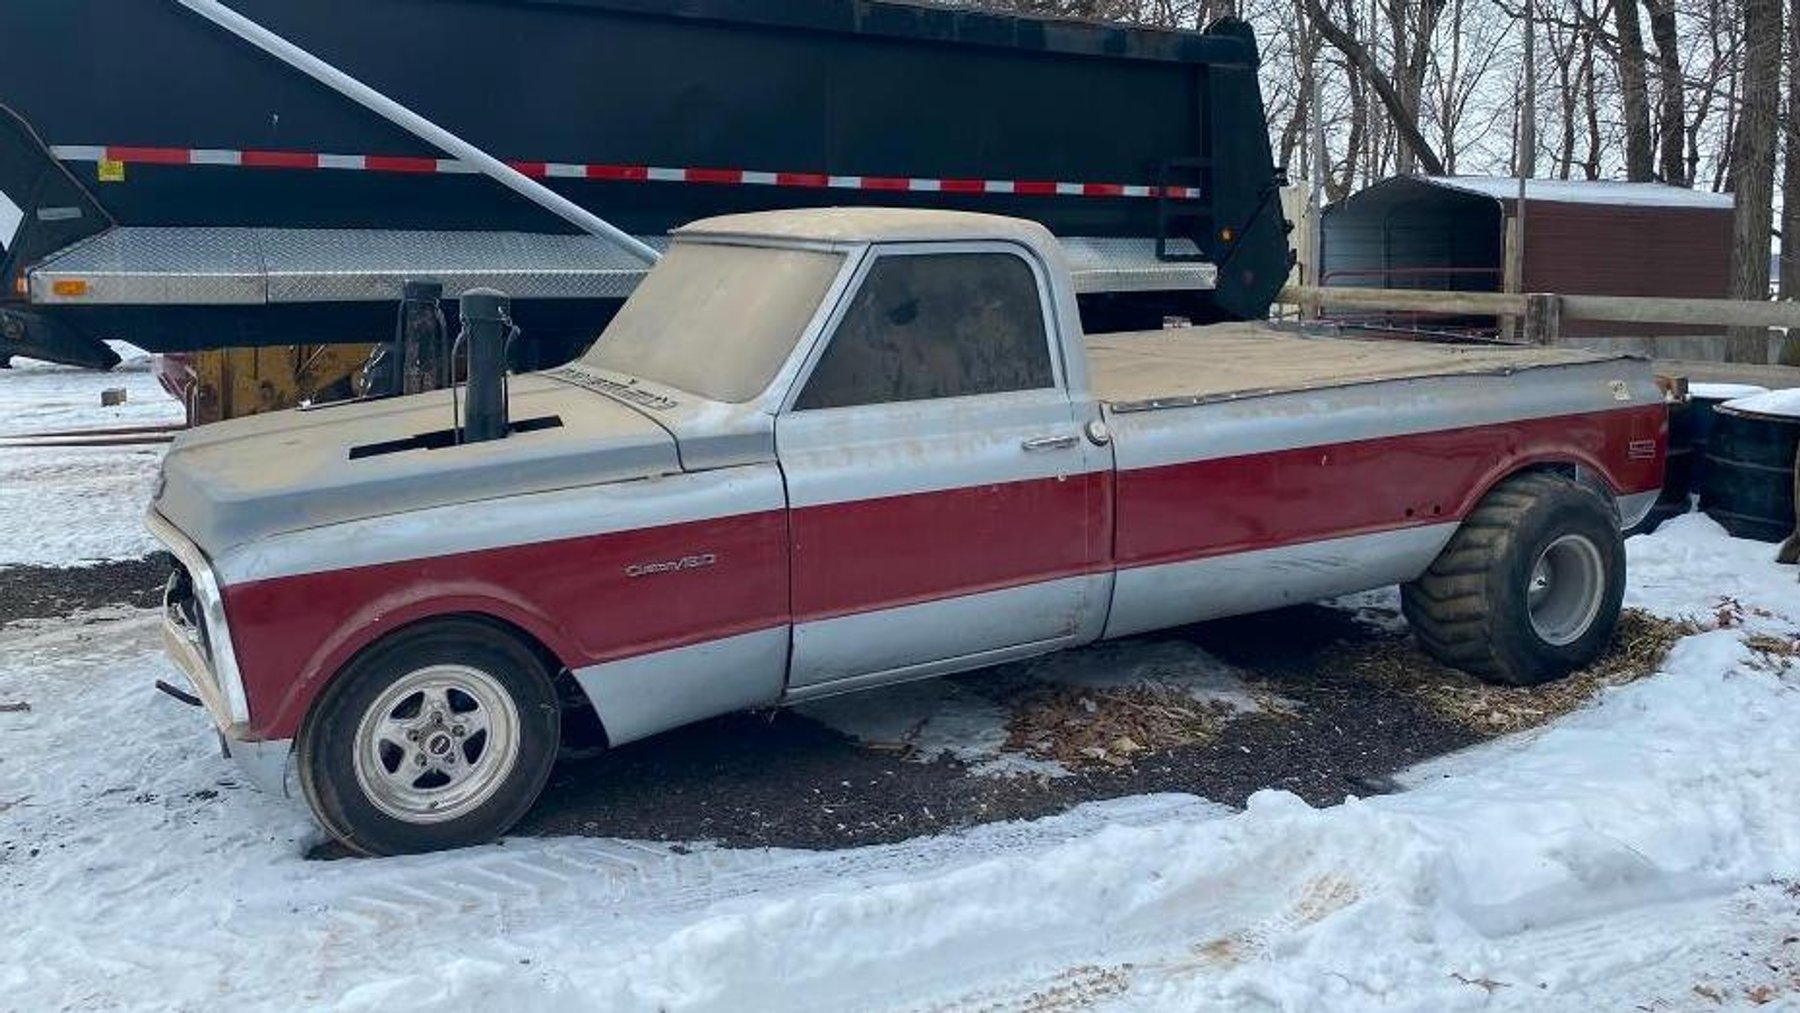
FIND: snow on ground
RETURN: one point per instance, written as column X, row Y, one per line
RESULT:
column 67, row 505
column 1641, row 853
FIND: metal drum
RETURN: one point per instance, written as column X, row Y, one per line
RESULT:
column 1748, row 484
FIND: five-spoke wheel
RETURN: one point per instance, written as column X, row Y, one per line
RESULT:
column 439, row 736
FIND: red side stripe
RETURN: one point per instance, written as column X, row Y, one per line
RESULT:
column 807, row 179
column 962, row 185
column 617, row 172
column 536, row 170
column 1035, row 187
column 886, row 183
column 1102, row 190
column 279, row 159
column 152, row 156
column 715, row 175
column 399, row 163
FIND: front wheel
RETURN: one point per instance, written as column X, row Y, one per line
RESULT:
column 1529, row 587
column 439, row 737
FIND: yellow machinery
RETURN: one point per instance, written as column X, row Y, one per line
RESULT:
column 226, row 383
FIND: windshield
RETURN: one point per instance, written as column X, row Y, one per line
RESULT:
column 716, row 320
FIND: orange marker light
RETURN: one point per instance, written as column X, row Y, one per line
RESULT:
column 69, row 287
column 1227, row 234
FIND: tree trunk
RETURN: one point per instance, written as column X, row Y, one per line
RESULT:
column 1634, row 92
column 1790, row 194
column 1671, row 126
column 1753, row 171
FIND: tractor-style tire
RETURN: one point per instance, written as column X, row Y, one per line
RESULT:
column 440, row 736
column 1528, row 589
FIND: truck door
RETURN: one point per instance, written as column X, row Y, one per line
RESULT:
column 945, row 505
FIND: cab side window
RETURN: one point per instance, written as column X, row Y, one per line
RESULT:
column 929, row 326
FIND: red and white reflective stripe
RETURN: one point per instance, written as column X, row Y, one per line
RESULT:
column 601, row 171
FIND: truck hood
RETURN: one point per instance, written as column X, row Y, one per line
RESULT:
column 227, row 484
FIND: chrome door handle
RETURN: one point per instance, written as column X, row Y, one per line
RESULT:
column 1042, row 443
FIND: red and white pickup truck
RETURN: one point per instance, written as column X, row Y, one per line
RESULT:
column 821, row 451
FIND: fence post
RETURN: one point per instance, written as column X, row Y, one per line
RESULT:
column 1543, row 318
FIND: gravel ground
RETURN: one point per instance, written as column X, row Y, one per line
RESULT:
column 783, row 780
column 45, row 592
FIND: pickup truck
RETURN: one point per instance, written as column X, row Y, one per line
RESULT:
column 826, row 450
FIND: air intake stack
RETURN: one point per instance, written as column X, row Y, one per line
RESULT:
column 486, row 329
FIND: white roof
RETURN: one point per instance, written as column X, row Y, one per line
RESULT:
column 1582, row 191
column 871, row 224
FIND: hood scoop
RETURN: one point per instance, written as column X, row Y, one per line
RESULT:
column 438, row 439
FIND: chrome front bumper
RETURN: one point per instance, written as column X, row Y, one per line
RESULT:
column 199, row 643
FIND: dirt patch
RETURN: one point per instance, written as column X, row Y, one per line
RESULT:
column 45, row 592
column 784, row 780
column 1080, row 727
column 1641, row 644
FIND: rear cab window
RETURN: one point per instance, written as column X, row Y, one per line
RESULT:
column 935, row 325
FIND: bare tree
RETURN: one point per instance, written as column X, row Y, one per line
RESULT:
column 1753, row 171
column 1634, row 90
column 1404, row 117
column 1671, row 132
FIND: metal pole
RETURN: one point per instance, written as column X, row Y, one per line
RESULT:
column 1315, row 211
column 413, row 123
column 1527, row 141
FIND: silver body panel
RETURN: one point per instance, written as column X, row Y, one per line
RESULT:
column 943, row 636
column 638, row 697
column 507, row 521
column 235, row 482
column 1154, row 597
column 1252, row 424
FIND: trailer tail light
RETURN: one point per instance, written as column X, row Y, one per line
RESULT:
column 69, row 287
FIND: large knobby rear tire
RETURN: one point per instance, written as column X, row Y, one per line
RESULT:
column 440, row 736
column 1528, row 589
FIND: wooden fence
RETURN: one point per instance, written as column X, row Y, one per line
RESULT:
column 1543, row 313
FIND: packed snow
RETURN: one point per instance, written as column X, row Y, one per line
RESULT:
column 67, row 505
column 1641, row 853
column 1784, row 403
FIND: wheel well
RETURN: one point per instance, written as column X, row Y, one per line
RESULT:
column 581, row 720
column 1582, row 475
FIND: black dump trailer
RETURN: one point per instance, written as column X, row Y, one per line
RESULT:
column 165, row 183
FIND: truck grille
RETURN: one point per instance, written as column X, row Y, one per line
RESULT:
column 181, row 610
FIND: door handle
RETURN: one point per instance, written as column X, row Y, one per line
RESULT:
column 1038, row 444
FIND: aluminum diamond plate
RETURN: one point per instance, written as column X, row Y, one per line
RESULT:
column 1129, row 264
column 145, row 265
column 148, row 265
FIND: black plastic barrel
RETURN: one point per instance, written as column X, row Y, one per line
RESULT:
column 1749, row 481
column 1690, row 426
column 1702, row 399
column 1678, row 471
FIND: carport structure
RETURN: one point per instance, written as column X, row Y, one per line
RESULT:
column 1580, row 238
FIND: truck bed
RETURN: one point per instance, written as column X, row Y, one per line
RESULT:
column 1191, row 365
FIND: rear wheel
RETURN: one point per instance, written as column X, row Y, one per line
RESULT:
column 1528, row 588
column 439, row 737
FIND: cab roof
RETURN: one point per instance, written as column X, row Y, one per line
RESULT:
column 878, row 225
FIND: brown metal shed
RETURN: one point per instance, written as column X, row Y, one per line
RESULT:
column 1580, row 238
